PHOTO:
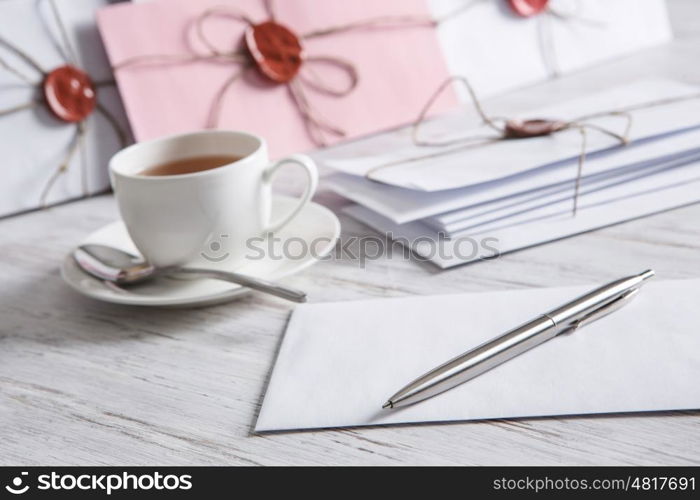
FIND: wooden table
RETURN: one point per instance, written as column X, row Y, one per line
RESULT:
column 83, row 382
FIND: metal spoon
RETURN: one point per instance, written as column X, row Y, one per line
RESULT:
column 123, row 268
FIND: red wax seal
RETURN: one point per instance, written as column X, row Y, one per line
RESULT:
column 69, row 93
column 517, row 129
column 527, row 8
column 275, row 49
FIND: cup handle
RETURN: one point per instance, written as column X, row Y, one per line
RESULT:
column 312, row 176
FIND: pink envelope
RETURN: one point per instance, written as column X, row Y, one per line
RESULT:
column 398, row 68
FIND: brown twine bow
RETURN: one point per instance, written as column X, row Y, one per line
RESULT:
column 306, row 79
column 510, row 129
column 81, row 126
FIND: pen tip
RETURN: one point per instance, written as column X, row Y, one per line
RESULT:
column 388, row 404
column 647, row 274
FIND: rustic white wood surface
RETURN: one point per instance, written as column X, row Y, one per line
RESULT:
column 88, row 383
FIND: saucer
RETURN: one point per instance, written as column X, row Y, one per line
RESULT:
column 315, row 228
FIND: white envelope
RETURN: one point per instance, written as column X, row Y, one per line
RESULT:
column 34, row 142
column 675, row 188
column 339, row 362
column 384, row 156
column 402, row 205
column 500, row 51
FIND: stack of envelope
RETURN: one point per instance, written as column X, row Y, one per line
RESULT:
column 459, row 204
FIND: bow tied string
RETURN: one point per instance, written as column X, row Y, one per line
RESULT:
column 506, row 129
column 307, row 79
column 68, row 54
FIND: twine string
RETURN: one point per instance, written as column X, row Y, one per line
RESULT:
column 80, row 131
column 306, row 79
column 269, row 9
column 574, row 16
column 84, row 171
column 47, row 18
column 544, row 28
column 622, row 138
column 643, row 105
column 383, row 22
column 63, row 32
column 545, row 32
column 22, row 55
column 548, row 50
column 415, row 129
column 104, row 83
column 76, row 144
column 19, row 107
column 316, row 125
column 227, row 12
column 166, row 59
column 17, row 72
column 116, row 126
column 581, row 123
column 579, row 169
column 81, row 126
column 391, row 22
column 499, row 125
column 312, row 79
column 217, row 103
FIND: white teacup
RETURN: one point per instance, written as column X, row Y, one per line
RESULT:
column 200, row 216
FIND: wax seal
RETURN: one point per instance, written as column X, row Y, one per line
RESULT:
column 275, row 49
column 523, row 129
column 527, row 8
column 69, row 93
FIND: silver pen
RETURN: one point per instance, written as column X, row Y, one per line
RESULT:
column 564, row 319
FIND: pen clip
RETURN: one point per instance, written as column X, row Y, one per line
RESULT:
column 603, row 311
